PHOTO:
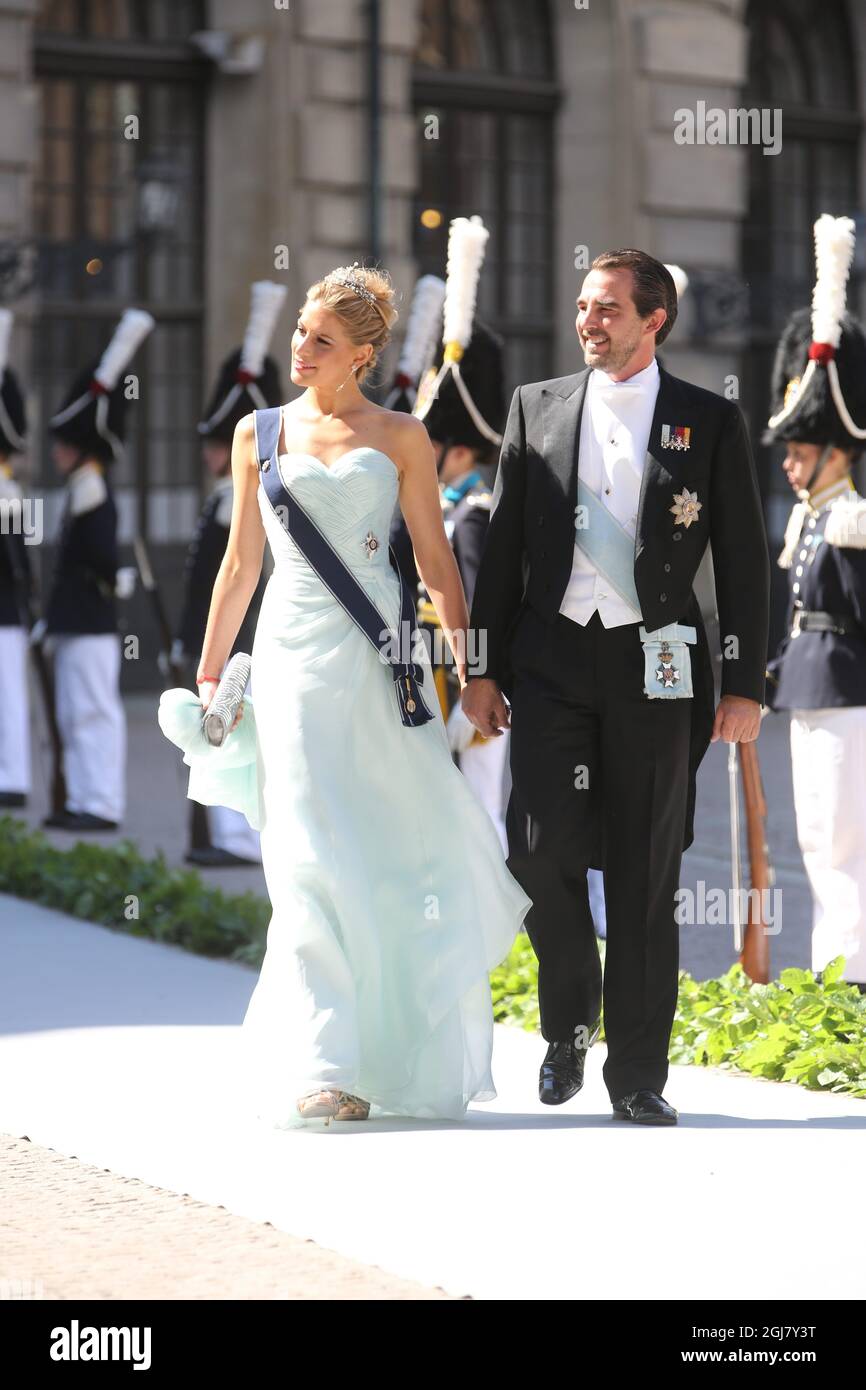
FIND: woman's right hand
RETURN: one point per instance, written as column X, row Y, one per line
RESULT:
column 206, row 692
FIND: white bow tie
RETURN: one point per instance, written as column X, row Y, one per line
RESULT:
column 610, row 390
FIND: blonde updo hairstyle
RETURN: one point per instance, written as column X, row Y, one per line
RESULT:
column 362, row 321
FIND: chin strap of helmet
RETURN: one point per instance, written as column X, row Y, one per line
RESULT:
column 819, row 464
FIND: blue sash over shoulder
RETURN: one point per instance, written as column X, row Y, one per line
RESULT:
column 667, row 661
column 336, row 576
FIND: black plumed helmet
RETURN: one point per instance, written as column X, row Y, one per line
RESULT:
column 13, row 417
column 481, row 367
column 92, row 417
column 815, row 418
column 99, row 421
column 236, row 394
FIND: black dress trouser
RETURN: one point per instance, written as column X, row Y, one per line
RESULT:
column 594, row 761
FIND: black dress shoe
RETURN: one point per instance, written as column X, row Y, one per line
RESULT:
column 644, row 1108
column 212, row 857
column 13, row 798
column 561, row 1074
column 79, row 820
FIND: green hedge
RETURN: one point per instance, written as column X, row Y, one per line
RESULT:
column 798, row 1028
column 117, row 887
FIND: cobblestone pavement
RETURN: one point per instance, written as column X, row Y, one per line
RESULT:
column 69, row 1230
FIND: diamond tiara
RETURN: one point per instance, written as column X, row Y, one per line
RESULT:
column 353, row 283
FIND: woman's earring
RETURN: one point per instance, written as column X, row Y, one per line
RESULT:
column 342, row 383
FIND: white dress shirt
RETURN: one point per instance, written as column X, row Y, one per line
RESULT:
column 614, row 434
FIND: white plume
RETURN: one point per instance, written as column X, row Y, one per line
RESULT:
column 266, row 301
column 129, row 334
column 422, row 326
column 834, row 251
column 467, row 242
column 680, row 279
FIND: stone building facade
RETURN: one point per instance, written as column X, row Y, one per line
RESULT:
column 277, row 138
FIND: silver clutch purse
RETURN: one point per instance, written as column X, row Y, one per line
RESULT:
column 220, row 714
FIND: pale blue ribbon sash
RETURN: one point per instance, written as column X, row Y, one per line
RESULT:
column 607, row 545
column 611, row 549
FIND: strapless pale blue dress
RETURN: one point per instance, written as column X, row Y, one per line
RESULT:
column 391, row 900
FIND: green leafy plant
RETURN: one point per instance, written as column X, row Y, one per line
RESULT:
column 118, row 887
column 799, row 1028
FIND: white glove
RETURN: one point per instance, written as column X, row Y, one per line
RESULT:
column 460, row 730
column 124, row 585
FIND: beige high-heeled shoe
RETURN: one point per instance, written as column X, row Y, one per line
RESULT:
column 333, row 1105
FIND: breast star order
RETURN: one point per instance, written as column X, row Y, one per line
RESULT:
column 686, row 507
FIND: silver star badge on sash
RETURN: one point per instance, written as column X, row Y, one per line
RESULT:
column 686, row 507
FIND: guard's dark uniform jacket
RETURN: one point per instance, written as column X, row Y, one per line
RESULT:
column 466, row 522
column 14, row 557
column 204, row 557
column 821, row 662
column 85, row 574
column 466, row 513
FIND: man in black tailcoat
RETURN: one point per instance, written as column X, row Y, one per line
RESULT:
column 611, row 482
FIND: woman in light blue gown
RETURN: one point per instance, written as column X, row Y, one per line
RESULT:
column 391, row 898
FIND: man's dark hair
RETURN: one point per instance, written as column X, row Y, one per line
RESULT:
column 654, row 286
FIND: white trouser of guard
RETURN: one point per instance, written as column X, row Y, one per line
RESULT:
column 597, row 905
column 15, row 704
column 828, row 757
column 92, row 722
column 484, row 766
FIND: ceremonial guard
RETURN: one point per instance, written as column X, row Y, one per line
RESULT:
column 248, row 380
column 81, row 616
column 15, row 589
column 465, row 455
column 464, row 412
column 819, row 671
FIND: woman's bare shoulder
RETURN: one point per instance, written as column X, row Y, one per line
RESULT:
column 408, row 440
column 244, row 445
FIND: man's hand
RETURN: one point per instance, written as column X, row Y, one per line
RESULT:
column 737, row 720
column 484, row 704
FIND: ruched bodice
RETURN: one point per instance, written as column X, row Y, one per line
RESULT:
column 350, row 500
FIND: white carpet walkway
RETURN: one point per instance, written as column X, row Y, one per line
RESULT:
column 122, row 1052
